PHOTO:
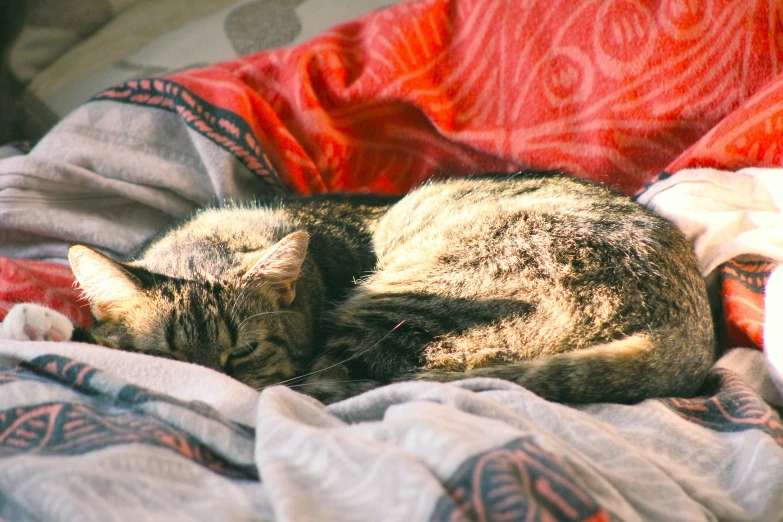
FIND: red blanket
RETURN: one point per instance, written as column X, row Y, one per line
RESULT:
column 612, row 90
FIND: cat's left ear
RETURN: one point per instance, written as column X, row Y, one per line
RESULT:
column 107, row 284
column 279, row 266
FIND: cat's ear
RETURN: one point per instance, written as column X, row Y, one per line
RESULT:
column 279, row 265
column 108, row 286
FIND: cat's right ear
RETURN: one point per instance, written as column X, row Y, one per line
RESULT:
column 279, row 266
column 108, row 287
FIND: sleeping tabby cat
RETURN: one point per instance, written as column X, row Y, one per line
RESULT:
column 563, row 286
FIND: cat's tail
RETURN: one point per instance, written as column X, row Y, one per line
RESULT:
column 625, row 371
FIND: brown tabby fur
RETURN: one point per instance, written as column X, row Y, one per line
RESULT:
column 562, row 286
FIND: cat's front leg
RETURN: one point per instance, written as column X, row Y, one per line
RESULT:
column 328, row 380
column 32, row 322
column 374, row 337
column 360, row 356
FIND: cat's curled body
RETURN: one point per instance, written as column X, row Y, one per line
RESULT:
column 560, row 285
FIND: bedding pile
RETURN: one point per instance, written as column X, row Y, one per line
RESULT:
column 677, row 103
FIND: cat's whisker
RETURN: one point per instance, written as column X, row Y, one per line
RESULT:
column 276, row 312
column 354, row 356
column 237, row 300
column 254, row 332
column 334, row 381
column 239, row 296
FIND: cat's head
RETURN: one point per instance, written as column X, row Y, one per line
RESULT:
column 246, row 324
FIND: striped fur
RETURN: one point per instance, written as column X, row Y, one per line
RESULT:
column 559, row 285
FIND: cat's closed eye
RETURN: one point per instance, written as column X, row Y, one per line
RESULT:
column 237, row 355
column 243, row 352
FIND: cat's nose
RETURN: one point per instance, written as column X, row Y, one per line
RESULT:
column 226, row 365
column 227, row 362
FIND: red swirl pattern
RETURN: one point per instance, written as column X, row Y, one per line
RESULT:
column 67, row 428
column 742, row 296
column 729, row 405
column 519, row 481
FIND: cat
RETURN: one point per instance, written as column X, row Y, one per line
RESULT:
column 561, row 285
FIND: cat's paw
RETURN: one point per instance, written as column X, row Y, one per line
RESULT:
column 32, row 322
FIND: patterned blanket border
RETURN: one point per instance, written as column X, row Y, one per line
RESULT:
column 223, row 127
